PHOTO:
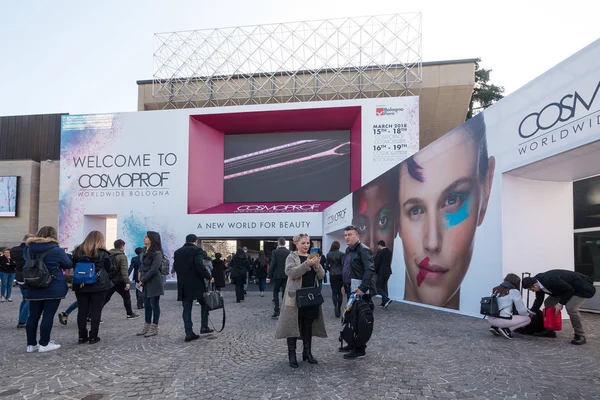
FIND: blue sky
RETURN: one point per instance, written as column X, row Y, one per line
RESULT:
column 85, row 57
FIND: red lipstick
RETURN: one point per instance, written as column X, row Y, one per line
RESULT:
column 429, row 271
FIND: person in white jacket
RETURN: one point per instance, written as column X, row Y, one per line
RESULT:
column 509, row 300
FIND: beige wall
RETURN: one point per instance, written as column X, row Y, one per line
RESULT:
column 49, row 180
column 12, row 230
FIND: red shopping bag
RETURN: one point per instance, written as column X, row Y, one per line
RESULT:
column 552, row 320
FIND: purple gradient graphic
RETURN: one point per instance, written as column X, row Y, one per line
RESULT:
column 135, row 226
column 80, row 134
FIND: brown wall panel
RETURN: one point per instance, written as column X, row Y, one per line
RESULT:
column 30, row 137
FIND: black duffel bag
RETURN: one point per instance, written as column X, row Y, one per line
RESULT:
column 213, row 300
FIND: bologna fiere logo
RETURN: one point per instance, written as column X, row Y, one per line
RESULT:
column 383, row 111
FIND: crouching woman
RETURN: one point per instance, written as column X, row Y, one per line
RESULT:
column 509, row 300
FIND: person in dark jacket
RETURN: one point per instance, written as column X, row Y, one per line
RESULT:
column 567, row 289
column 135, row 268
column 357, row 267
column 260, row 267
column 277, row 273
column 91, row 297
column 44, row 302
column 120, row 280
column 239, row 267
column 17, row 254
column 191, row 274
column 383, row 270
column 334, row 266
column 218, row 272
column 8, row 269
column 151, row 282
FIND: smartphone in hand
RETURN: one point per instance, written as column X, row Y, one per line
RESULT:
column 314, row 252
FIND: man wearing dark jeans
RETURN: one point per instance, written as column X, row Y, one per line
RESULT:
column 189, row 265
column 135, row 267
column 335, row 261
column 565, row 289
column 121, row 282
column 383, row 270
column 16, row 253
column 277, row 273
column 357, row 267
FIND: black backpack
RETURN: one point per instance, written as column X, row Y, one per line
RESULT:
column 357, row 324
column 489, row 306
column 35, row 272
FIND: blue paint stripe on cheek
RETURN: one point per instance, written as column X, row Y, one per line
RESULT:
column 455, row 218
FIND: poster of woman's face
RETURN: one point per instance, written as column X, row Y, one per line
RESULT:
column 374, row 210
column 443, row 195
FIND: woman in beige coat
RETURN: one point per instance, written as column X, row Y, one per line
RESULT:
column 307, row 322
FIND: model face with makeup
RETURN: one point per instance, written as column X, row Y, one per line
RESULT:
column 374, row 215
column 443, row 198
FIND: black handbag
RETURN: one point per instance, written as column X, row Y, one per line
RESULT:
column 309, row 297
column 213, row 300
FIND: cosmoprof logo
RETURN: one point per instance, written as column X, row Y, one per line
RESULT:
column 382, row 111
column 278, row 208
column 340, row 215
column 554, row 113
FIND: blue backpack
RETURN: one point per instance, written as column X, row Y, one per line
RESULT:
column 85, row 272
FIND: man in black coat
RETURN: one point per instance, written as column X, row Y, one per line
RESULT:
column 189, row 265
column 277, row 273
column 357, row 267
column 16, row 253
column 565, row 289
column 135, row 268
column 383, row 270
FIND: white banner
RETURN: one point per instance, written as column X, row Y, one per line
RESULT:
column 338, row 216
column 390, row 134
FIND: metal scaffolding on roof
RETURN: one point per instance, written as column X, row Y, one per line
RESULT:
column 373, row 56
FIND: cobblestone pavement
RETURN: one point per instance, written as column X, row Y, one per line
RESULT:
column 415, row 353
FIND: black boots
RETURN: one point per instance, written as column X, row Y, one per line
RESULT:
column 579, row 339
column 306, row 333
column 307, row 342
column 291, row 342
column 337, row 306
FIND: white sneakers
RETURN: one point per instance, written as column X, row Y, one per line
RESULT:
column 42, row 349
column 31, row 349
column 49, row 347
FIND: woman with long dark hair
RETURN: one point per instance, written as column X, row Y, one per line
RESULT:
column 509, row 299
column 260, row 268
column 440, row 209
column 151, row 281
column 239, row 265
column 90, row 297
column 334, row 265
